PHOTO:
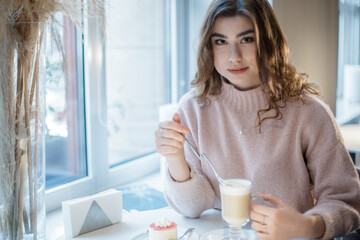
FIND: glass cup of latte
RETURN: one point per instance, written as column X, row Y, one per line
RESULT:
column 236, row 200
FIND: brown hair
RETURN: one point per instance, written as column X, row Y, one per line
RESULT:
column 279, row 78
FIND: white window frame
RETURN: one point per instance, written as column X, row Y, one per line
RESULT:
column 100, row 176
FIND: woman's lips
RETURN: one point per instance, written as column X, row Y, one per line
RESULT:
column 237, row 70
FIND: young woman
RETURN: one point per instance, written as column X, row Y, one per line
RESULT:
column 257, row 118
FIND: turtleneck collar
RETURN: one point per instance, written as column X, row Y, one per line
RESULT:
column 249, row 100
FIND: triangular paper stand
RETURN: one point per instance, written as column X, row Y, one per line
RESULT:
column 95, row 219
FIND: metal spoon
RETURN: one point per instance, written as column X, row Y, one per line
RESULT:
column 187, row 234
column 202, row 155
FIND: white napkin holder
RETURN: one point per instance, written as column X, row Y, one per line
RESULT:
column 93, row 212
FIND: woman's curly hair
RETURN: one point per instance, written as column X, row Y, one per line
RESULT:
column 279, row 78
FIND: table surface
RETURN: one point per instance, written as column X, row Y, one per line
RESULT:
column 135, row 221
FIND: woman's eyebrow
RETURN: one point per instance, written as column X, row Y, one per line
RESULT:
column 245, row 32
column 238, row 35
column 217, row 35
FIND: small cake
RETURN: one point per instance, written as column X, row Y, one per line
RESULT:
column 163, row 229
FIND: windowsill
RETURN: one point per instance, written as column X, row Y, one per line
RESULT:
column 54, row 221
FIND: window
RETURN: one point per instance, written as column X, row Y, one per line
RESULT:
column 136, row 76
column 119, row 84
column 348, row 89
column 65, row 125
column 147, row 60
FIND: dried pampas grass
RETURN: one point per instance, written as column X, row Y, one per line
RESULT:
column 22, row 24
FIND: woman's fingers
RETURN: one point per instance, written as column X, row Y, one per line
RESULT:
column 260, row 224
column 274, row 200
column 256, row 217
column 176, row 118
column 171, row 134
column 166, row 146
column 262, row 210
column 172, row 125
column 169, row 137
column 170, row 142
column 278, row 222
column 263, row 236
column 170, row 130
column 259, row 228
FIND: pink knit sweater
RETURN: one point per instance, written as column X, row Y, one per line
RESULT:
column 290, row 157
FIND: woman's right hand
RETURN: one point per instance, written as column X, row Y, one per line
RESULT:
column 169, row 139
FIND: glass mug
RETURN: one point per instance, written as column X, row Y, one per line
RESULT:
column 236, row 200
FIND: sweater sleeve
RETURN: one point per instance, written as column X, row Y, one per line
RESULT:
column 335, row 180
column 194, row 196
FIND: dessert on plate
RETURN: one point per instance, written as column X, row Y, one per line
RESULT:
column 163, row 229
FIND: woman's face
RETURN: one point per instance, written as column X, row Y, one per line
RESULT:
column 234, row 50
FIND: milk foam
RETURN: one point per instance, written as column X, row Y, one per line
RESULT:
column 236, row 187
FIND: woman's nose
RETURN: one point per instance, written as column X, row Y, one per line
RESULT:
column 235, row 54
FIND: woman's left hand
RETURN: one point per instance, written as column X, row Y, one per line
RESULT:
column 283, row 221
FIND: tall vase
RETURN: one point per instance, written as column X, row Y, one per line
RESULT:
column 22, row 156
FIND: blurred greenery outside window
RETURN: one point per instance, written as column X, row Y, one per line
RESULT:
column 64, row 113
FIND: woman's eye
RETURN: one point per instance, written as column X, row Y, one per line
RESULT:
column 247, row 40
column 219, row 42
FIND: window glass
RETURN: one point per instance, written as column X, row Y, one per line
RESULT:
column 64, row 114
column 348, row 85
column 135, row 76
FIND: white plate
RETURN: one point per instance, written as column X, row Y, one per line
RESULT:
column 180, row 231
column 219, row 234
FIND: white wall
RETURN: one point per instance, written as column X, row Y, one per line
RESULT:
column 311, row 29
